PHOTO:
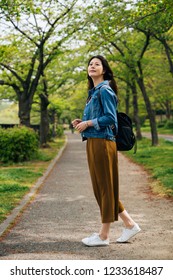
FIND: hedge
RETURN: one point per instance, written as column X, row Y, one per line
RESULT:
column 18, row 144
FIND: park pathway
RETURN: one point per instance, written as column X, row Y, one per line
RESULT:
column 64, row 211
column 167, row 137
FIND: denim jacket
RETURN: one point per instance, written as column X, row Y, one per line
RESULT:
column 101, row 111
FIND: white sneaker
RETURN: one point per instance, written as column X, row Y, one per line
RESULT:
column 95, row 240
column 128, row 233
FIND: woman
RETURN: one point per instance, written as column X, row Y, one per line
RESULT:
column 95, row 127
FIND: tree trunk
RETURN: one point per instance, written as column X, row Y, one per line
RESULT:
column 127, row 98
column 54, row 133
column 52, row 118
column 151, row 113
column 168, row 109
column 135, row 110
column 167, row 50
column 24, row 109
column 44, row 120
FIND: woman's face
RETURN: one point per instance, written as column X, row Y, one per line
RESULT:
column 95, row 68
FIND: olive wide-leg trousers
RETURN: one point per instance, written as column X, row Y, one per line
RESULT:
column 103, row 166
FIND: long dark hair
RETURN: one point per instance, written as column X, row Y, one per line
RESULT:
column 108, row 74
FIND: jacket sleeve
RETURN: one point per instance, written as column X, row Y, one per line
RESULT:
column 108, row 102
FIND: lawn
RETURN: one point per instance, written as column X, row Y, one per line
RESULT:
column 158, row 161
column 17, row 179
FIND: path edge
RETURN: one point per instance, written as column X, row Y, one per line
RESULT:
column 9, row 221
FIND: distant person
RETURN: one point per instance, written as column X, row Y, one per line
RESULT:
column 71, row 128
column 95, row 127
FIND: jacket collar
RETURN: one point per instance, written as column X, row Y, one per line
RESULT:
column 106, row 82
column 91, row 91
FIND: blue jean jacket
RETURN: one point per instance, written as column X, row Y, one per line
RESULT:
column 101, row 111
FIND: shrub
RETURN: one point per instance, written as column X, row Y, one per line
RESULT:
column 169, row 124
column 161, row 124
column 59, row 130
column 17, row 144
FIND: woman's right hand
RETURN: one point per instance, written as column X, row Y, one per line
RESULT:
column 76, row 122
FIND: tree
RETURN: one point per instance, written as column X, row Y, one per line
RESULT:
column 131, row 48
column 158, row 79
column 44, row 120
column 159, row 25
column 45, row 28
column 132, row 57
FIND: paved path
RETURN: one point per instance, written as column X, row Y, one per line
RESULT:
column 64, row 211
column 167, row 137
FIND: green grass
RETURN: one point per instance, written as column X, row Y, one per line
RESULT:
column 10, row 196
column 158, row 161
column 18, row 174
column 17, row 179
column 161, row 129
column 165, row 130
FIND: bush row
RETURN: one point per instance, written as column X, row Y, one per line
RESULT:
column 168, row 124
column 18, row 144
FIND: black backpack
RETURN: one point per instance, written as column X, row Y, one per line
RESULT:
column 125, row 138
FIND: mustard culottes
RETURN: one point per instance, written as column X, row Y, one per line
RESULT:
column 103, row 166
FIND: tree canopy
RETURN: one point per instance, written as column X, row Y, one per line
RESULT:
column 45, row 46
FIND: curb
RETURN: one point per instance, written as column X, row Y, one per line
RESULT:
column 9, row 221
